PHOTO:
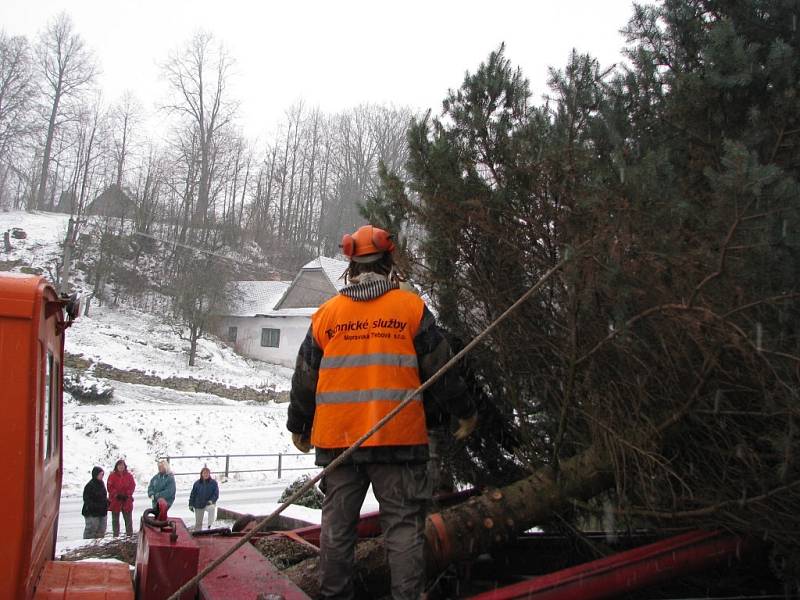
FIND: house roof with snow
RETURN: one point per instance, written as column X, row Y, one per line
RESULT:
column 333, row 269
column 317, row 281
column 250, row 298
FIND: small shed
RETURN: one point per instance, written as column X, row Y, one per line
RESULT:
column 67, row 202
column 113, row 202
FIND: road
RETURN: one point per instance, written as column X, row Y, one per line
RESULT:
column 255, row 500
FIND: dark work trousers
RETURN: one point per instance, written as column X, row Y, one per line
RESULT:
column 126, row 516
column 403, row 492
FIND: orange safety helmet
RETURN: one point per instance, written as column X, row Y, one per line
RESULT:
column 367, row 244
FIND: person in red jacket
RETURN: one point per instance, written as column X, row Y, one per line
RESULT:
column 120, row 486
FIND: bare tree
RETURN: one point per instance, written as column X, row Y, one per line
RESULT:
column 199, row 288
column 182, row 180
column 198, row 75
column 261, row 217
column 67, row 67
column 91, row 128
column 235, row 176
column 16, row 90
column 148, row 190
column 316, row 173
column 125, row 115
column 362, row 138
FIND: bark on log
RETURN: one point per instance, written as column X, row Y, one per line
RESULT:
column 478, row 525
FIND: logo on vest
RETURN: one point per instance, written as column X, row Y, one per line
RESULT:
column 363, row 329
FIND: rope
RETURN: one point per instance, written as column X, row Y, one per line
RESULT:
column 388, row 417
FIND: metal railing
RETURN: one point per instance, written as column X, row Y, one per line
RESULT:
column 280, row 467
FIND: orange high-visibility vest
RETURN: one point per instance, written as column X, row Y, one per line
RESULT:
column 369, row 366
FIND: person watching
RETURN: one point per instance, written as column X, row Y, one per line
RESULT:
column 121, row 486
column 162, row 485
column 203, row 499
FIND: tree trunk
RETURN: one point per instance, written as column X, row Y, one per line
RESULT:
column 123, row 150
column 240, row 218
column 48, row 146
column 194, row 334
column 479, row 525
column 69, row 242
column 87, row 305
column 201, row 208
column 78, row 210
column 284, row 175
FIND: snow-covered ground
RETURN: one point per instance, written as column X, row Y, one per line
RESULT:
column 141, row 422
column 131, row 339
column 45, row 232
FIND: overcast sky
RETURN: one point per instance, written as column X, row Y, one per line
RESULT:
column 333, row 54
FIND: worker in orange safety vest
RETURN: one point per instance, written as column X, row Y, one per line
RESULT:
column 367, row 348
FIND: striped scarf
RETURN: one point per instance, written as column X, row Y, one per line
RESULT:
column 368, row 287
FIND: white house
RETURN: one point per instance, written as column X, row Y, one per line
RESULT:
column 269, row 319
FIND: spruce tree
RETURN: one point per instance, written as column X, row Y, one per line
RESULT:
column 669, row 343
column 666, row 351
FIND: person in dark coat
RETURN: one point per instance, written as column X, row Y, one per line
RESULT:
column 120, row 497
column 203, row 498
column 95, row 506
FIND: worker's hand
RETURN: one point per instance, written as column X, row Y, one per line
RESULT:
column 301, row 443
column 209, row 503
column 191, row 508
column 466, row 427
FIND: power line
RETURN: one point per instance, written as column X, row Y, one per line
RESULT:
column 211, row 253
column 289, row 274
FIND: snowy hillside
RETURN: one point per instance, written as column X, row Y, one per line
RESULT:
column 40, row 249
column 130, row 339
column 142, row 422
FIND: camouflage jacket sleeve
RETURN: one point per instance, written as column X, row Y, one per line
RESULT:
column 302, row 402
column 449, row 393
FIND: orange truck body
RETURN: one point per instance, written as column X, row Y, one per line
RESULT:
column 31, row 351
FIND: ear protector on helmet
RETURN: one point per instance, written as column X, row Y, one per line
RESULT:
column 367, row 240
column 348, row 245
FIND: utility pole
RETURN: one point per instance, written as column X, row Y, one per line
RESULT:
column 69, row 244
